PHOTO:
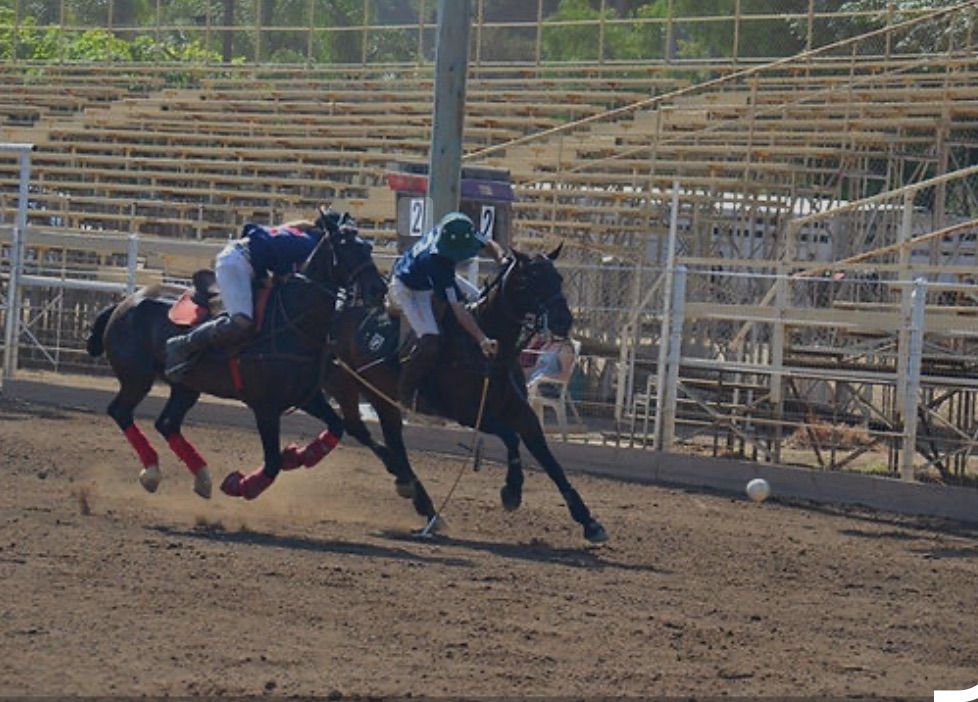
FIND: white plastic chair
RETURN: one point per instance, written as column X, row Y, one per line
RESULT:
column 538, row 401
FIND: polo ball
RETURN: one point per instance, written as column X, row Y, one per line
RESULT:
column 758, row 490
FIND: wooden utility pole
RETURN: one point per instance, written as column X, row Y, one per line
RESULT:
column 451, row 67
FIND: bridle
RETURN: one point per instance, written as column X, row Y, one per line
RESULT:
column 352, row 276
column 532, row 321
column 330, row 289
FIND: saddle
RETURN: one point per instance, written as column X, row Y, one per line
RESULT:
column 203, row 301
column 381, row 335
column 378, row 337
column 198, row 304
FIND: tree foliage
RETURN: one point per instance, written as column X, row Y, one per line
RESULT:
column 573, row 30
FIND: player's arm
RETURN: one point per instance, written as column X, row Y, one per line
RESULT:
column 488, row 346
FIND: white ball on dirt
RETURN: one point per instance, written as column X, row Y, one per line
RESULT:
column 758, row 490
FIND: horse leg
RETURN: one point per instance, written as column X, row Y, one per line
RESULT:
column 168, row 425
column 255, row 483
column 318, row 448
column 511, row 493
column 347, row 393
column 121, row 409
column 408, row 484
column 528, row 427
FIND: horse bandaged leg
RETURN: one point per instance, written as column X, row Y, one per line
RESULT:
column 320, row 447
column 291, row 457
column 186, row 452
column 149, row 476
column 247, row 486
column 194, row 462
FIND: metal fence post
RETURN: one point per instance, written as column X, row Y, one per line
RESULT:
column 667, row 425
column 904, row 235
column 10, row 331
column 911, row 381
column 661, row 406
column 132, row 255
column 12, row 326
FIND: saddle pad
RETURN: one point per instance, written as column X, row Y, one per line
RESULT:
column 378, row 336
column 186, row 312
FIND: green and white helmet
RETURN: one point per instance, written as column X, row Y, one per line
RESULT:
column 457, row 238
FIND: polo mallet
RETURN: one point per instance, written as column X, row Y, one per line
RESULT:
column 476, row 456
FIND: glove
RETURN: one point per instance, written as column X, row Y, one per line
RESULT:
column 489, row 347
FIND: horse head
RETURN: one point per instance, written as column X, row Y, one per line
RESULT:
column 356, row 267
column 344, row 259
column 531, row 286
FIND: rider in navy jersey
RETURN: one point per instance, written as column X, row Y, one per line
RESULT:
column 425, row 271
column 260, row 252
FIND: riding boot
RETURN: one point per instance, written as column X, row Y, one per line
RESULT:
column 421, row 361
column 220, row 333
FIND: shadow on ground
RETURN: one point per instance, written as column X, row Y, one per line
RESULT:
column 304, row 543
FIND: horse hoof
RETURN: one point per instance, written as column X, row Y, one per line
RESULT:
column 150, row 477
column 405, row 490
column 595, row 533
column 511, row 498
column 202, row 482
column 231, row 485
column 436, row 525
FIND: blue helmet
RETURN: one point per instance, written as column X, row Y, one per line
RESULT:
column 457, row 238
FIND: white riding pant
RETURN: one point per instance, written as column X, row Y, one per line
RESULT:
column 234, row 277
column 415, row 306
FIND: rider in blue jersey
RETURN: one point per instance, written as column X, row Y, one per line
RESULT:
column 425, row 271
column 260, row 252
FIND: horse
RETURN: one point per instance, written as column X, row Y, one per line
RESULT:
column 527, row 289
column 279, row 369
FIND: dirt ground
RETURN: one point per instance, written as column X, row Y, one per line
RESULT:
column 317, row 587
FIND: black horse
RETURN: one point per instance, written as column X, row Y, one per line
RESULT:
column 280, row 369
column 526, row 292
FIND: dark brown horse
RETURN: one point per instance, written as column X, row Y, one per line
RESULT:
column 526, row 293
column 280, row 369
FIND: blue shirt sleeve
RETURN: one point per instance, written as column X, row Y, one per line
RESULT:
column 278, row 251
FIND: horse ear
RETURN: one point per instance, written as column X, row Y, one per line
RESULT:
column 556, row 252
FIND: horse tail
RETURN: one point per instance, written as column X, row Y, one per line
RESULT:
column 95, row 343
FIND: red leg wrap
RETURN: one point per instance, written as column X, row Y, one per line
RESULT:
column 291, row 457
column 147, row 456
column 319, row 449
column 186, row 452
column 255, row 483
